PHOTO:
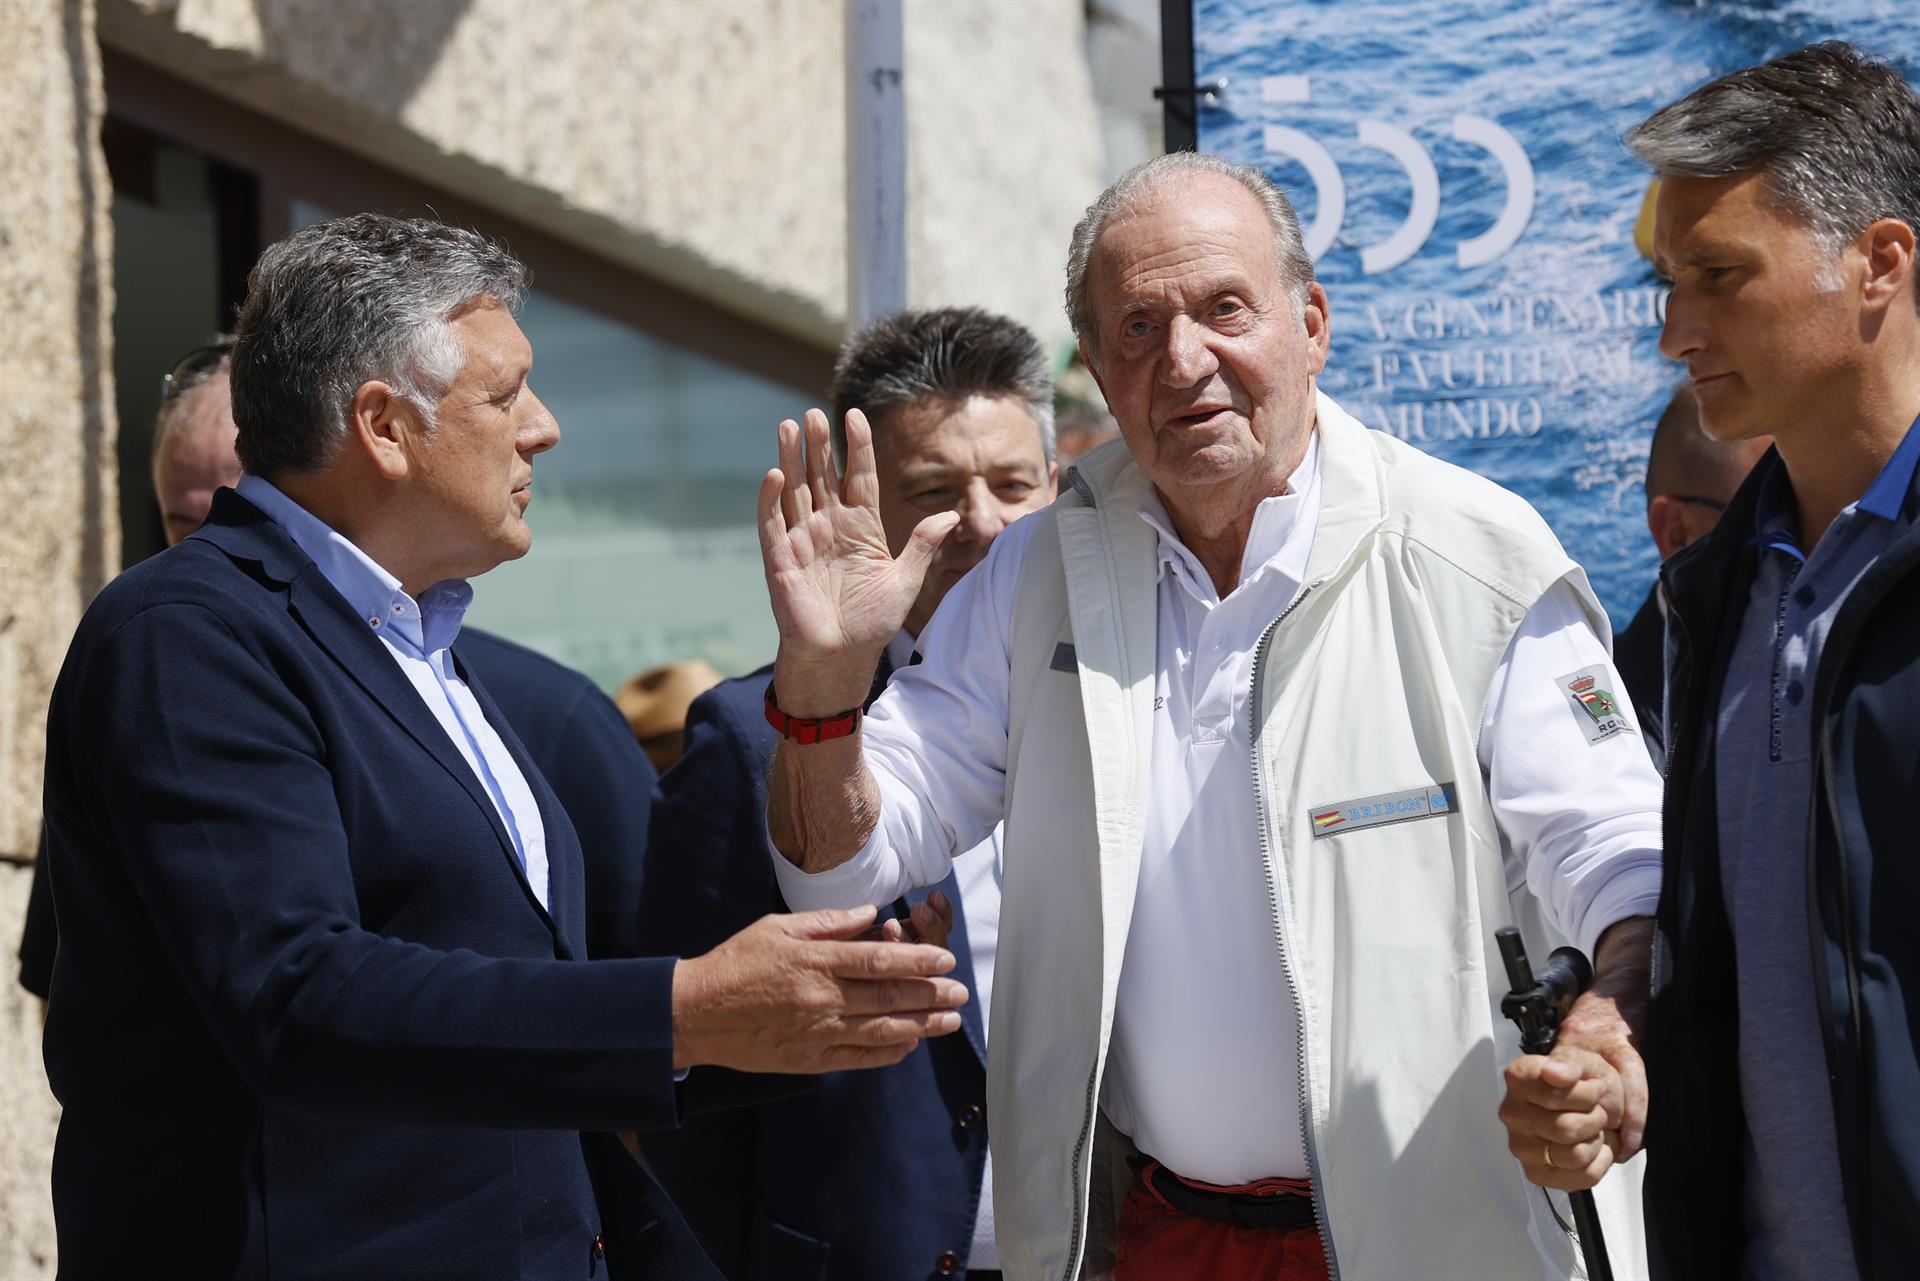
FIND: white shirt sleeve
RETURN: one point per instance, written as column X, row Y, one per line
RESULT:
column 936, row 742
column 1578, row 807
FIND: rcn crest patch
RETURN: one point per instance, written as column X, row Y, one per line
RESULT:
column 1387, row 807
column 1595, row 706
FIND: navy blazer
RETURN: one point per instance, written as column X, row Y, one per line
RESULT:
column 307, row 1017
column 589, row 756
column 583, row 747
column 868, row 1176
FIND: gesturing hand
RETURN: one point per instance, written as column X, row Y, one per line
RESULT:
column 803, row 993
column 838, row 594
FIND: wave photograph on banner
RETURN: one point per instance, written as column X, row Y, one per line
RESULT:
column 1484, row 236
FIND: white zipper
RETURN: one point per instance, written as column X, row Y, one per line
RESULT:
column 1279, row 934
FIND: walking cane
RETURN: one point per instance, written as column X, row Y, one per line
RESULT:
column 1535, row 1006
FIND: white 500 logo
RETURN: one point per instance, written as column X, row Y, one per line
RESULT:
column 1405, row 242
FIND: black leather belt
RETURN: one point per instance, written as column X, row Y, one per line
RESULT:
column 1242, row 1210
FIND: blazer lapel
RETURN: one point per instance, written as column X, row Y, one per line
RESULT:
column 245, row 533
column 566, row 913
column 326, row 616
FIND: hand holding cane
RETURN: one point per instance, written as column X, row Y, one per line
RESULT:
column 1535, row 1005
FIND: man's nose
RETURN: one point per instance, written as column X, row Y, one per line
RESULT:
column 1189, row 357
column 1683, row 332
column 982, row 515
column 541, row 432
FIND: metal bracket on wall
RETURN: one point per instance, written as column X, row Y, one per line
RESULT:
column 1206, row 95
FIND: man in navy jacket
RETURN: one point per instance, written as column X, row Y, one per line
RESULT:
column 875, row 1174
column 320, row 1006
column 577, row 738
column 1783, row 1067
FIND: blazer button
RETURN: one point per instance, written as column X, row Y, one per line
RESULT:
column 946, row 1263
column 971, row 1117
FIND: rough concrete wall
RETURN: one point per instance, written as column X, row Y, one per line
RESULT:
column 58, row 535
column 701, row 142
column 1003, row 154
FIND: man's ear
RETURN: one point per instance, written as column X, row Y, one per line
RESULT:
column 1667, row 522
column 1053, row 478
column 379, row 425
column 1316, row 316
column 1888, row 245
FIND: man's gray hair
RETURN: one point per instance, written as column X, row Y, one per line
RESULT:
column 1835, row 134
column 948, row 354
column 1296, row 268
column 349, row 301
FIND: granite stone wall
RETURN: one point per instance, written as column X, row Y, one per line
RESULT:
column 58, row 529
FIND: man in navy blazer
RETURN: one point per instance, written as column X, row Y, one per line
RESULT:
column 320, row 1006
column 577, row 738
column 875, row 1175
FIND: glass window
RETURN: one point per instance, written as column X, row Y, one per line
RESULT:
column 643, row 517
column 175, row 223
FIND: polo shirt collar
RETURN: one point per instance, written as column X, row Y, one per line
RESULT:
column 1272, row 540
column 1775, row 526
column 1888, row 493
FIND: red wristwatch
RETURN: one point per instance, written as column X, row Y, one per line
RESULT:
column 811, row 729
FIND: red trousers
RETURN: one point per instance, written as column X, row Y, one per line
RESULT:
column 1159, row 1243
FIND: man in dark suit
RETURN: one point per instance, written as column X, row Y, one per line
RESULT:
column 1691, row 477
column 320, row 1006
column 573, row 732
column 875, row 1174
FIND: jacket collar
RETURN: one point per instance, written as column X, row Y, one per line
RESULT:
column 247, row 534
column 1352, row 497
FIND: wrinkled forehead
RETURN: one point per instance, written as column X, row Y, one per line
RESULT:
column 1700, row 220
column 1193, row 230
column 940, row 431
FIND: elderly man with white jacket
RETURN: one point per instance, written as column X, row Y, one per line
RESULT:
column 1284, row 719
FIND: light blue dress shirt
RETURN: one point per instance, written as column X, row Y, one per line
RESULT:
column 418, row 635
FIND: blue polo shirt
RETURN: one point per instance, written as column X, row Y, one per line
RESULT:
column 1764, row 776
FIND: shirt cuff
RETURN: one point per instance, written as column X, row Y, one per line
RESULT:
column 1634, row 892
column 855, row 883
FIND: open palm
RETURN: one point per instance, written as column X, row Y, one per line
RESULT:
column 838, row 594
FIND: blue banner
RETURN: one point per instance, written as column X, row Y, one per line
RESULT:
column 1460, row 178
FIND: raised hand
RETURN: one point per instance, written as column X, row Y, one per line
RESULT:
column 838, row 595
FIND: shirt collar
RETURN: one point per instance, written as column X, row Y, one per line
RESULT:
column 1774, row 522
column 1888, row 493
column 424, row 626
column 1775, row 526
column 1281, row 537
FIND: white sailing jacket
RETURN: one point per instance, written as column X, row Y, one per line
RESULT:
column 1369, row 685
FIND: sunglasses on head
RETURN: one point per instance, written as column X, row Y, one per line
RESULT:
column 193, row 369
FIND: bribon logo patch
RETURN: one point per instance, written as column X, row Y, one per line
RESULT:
column 1387, row 807
column 1590, row 694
